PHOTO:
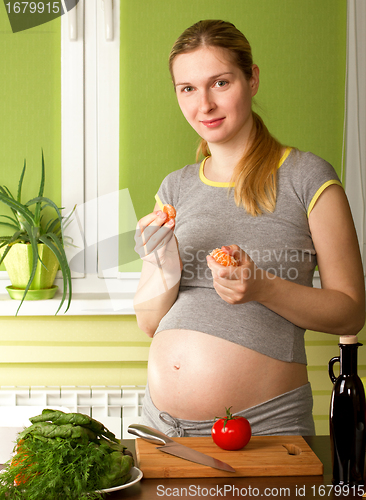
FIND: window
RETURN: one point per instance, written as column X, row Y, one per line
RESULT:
column 90, row 47
column 90, row 166
column 90, row 151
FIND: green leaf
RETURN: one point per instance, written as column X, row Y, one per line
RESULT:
column 10, row 241
column 57, row 227
column 55, row 245
column 47, row 203
column 41, row 187
column 7, row 224
column 35, row 257
column 6, row 192
column 14, row 220
column 7, row 195
column 19, row 195
column 66, row 221
column 53, row 226
column 38, row 209
column 18, row 207
column 5, row 253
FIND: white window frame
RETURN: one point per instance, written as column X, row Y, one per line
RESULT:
column 91, row 70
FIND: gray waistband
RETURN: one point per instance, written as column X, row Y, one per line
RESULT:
column 287, row 414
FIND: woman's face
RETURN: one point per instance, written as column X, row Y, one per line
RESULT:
column 214, row 95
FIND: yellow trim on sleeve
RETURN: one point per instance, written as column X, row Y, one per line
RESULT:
column 319, row 192
column 158, row 201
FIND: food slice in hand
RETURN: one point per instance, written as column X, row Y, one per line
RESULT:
column 167, row 208
column 223, row 257
column 170, row 211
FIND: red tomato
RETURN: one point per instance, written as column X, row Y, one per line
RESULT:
column 231, row 432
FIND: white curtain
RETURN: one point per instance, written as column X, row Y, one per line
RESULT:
column 355, row 133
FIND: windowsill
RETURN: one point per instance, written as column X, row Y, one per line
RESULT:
column 101, row 302
column 82, row 304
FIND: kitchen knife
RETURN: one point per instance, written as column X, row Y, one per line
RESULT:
column 176, row 449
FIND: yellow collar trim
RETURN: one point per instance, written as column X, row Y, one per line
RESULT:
column 212, row 183
column 232, row 184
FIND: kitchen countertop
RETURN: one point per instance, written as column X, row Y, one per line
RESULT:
column 246, row 487
column 314, row 487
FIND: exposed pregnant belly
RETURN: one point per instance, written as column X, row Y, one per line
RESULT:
column 194, row 376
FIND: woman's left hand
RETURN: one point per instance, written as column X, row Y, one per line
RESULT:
column 236, row 284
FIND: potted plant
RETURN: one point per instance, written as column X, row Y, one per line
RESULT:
column 35, row 244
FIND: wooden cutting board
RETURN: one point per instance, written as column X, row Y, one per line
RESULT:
column 263, row 456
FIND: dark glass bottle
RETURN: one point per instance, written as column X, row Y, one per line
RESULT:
column 347, row 416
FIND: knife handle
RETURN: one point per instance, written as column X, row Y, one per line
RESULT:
column 149, row 434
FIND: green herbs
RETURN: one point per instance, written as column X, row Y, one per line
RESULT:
column 65, row 461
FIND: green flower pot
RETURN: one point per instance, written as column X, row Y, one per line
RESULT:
column 18, row 264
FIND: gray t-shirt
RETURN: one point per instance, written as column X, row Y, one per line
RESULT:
column 279, row 243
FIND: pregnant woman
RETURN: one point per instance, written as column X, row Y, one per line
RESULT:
column 233, row 336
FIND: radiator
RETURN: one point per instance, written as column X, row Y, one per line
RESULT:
column 115, row 406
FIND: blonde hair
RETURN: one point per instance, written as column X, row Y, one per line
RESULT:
column 255, row 174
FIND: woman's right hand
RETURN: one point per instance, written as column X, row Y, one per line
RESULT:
column 154, row 237
column 161, row 271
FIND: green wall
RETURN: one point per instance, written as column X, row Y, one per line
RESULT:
column 300, row 48
column 112, row 351
column 64, row 351
column 30, row 105
column 30, row 108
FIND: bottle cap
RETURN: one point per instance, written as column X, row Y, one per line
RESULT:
column 348, row 339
